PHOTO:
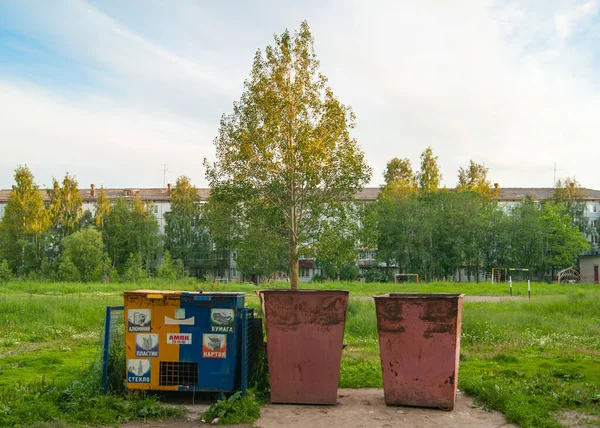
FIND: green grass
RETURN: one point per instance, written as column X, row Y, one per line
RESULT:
column 355, row 288
column 468, row 288
column 528, row 359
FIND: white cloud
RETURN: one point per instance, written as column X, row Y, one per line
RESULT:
column 569, row 19
column 95, row 139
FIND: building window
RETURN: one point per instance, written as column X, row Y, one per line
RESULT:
column 593, row 223
column 367, row 255
column 304, row 272
column 593, row 208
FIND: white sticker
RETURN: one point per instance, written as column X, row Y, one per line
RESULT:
column 179, row 313
column 146, row 345
column 138, row 320
column 222, row 320
column 138, row 371
column 179, row 338
column 171, row 321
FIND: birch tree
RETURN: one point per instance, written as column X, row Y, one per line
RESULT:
column 286, row 148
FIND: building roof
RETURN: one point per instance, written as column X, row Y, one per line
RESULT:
column 367, row 194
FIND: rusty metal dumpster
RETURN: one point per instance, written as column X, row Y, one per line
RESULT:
column 305, row 332
column 419, row 345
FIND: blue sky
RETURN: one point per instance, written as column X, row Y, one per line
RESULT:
column 111, row 91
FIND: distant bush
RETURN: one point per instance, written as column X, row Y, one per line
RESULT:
column 49, row 269
column 376, row 275
column 349, row 272
column 67, row 271
column 86, row 249
column 134, row 271
column 5, row 272
column 169, row 269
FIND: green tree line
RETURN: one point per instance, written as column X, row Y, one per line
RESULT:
column 414, row 227
column 435, row 232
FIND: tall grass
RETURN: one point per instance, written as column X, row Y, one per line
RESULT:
column 525, row 358
column 37, row 319
column 355, row 288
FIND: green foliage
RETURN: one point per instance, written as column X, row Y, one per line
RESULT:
column 360, row 372
column 474, row 179
column 130, row 228
column 236, row 409
column 435, row 235
column 429, row 175
column 23, row 225
column 49, row 269
column 103, row 209
column 186, row 231
column 169, row 269
column 5, row 272
column 399, row 174
column 569, row 193
column 86, row 250
column 377, row 275
column 285, row 153
column 261, row 250
column 338, row 238
column 67, row 270
column 134, row 270
column 77, row 402
column 65, row 212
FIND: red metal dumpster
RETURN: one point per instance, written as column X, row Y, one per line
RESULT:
column 419, row 345
column 305, row 332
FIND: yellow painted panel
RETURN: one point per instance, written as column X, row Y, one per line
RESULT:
column 137, row 308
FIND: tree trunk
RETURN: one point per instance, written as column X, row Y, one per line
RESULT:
column 293, row 266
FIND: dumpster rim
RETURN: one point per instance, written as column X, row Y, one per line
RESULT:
column 169, row 293
column 285, row 290
column 420, row 296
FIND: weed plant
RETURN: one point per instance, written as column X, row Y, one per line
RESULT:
column 236, row 409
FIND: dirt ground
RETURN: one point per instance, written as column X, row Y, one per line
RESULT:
column 355, row 408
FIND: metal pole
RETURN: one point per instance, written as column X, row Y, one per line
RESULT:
column 510, row 284
column 529, row 288
column 106, row 346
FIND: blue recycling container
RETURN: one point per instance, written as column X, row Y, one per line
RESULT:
column 184, row 341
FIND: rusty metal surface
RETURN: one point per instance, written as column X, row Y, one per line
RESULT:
column 305, row 331
column 419, row 346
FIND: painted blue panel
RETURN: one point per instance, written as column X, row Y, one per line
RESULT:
column 219, row 363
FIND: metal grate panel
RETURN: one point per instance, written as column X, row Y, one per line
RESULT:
column 112, row 343
column 175, row 373
column 246, row 354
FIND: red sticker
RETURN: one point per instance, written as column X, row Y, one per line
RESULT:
column 214, row 346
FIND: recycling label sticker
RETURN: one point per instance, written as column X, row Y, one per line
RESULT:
column 222, row 320
column 138, row 320
column 214, row 346
column 179, row 338
column 146, row 345
column 138, row 371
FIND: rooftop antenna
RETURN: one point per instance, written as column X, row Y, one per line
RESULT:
column 165, row 175
column 554, row 182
